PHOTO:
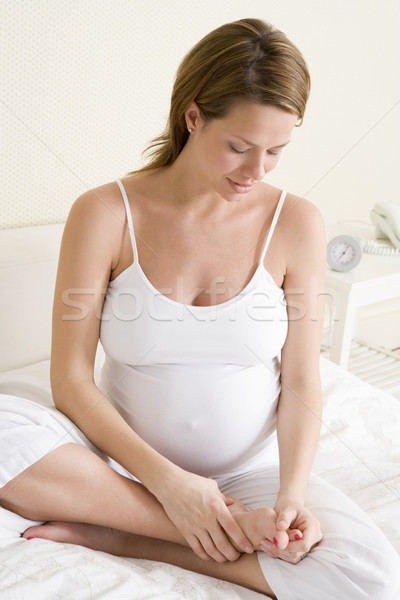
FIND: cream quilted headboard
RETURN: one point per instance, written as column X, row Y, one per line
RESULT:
column 28, row 267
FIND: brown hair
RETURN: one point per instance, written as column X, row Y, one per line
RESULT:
column 247, row 60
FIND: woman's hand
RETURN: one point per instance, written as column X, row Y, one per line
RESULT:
column 198, row 510
column 293, row 515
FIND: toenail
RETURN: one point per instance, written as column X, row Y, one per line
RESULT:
column 32, row 537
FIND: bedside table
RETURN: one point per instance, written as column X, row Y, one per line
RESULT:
column 375, row 279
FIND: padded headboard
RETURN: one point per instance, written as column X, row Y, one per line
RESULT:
column 28, row 267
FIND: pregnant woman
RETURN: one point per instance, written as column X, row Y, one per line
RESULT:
column 202, row 283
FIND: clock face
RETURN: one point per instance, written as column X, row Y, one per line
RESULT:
column 344, row 252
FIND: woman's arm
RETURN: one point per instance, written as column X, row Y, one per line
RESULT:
column 89, row 252
column 300, row 404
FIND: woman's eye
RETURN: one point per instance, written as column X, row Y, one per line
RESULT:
column 236, row 149
column 273, row 153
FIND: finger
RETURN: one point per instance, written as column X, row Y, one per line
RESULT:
column 294, row 559
column 223, row 544
column 271, row 551
column 211, row 548
column 306, row 544
column 231, row 527
column 198, row 548
column 311, row 535
column 291, row 558
column 300, row 545
column 228, row 501
column 285, row 519
column 296, row 547
column 291, row 549
column 294, row 535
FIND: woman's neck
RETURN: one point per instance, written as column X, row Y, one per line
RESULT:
column 185, row 187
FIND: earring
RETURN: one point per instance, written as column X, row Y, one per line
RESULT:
column 190, row 130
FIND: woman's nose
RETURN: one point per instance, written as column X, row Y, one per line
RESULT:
column 255, row 168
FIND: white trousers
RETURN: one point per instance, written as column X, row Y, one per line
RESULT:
column 354, row 560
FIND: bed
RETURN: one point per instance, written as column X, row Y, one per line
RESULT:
column 359, row 450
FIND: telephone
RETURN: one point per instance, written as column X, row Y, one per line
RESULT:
column 386, row 218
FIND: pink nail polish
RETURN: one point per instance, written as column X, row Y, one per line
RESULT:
column 297, row 537
column 31, row 538
column 275, row 542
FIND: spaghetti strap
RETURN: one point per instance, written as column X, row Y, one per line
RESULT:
column 130, row 223
column 273, row 224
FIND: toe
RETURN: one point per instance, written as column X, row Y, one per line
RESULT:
column 280, row 539
column 30, row 533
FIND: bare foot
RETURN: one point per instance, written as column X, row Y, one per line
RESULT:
column 259, row 524
column 95, row 537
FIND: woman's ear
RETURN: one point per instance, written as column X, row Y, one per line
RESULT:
column 193, row 117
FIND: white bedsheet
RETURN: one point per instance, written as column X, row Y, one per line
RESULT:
column 359, row 452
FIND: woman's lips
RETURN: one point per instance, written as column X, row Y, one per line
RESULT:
column 239, row 187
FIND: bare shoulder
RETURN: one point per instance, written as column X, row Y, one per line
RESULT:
column 302, row 223
column 301, row 211
column 304, row 239
column 98, row 218
column 103, row 203
column 295, row 208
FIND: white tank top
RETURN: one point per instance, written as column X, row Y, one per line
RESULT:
column 200, row 384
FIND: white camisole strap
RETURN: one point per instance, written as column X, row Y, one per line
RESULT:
column 132, row 233
column 130, row 223
column 273, row 224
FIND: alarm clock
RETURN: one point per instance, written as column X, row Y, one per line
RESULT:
column 344, row 252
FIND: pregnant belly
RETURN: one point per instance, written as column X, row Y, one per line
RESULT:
column 208, row 419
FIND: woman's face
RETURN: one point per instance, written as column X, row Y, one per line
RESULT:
column 235, row 152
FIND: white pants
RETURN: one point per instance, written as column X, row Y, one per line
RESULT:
column 354, row 560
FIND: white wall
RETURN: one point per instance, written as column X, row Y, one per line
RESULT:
column 86, row 85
